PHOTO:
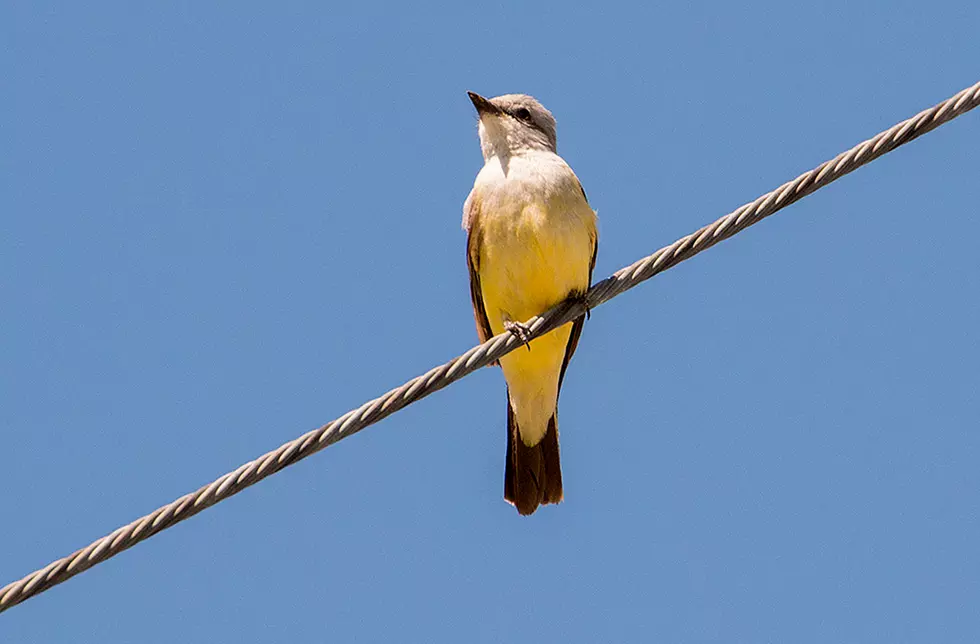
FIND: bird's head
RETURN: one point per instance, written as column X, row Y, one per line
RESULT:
column 513, row 123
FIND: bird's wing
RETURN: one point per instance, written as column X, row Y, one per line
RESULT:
column 474, row 240
column 580, row 321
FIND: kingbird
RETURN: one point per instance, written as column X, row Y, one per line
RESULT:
column 531, row 243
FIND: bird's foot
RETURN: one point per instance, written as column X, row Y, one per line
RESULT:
column 582, row 298
column 520, row 331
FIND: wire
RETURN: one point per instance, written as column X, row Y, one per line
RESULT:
column 417, row 388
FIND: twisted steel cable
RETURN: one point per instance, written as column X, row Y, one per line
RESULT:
column 373, row 411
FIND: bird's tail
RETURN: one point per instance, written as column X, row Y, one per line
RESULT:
column 532, row 476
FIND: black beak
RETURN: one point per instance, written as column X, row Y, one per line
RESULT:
column 482, row 105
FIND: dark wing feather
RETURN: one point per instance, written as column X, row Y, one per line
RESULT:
column 579, row 322
column 473, row 242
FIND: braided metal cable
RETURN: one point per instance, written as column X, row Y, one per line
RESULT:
column 479, row 356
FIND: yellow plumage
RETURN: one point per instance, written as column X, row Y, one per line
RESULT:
column 532, row 256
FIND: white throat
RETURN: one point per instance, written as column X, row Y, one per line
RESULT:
column 502, row 136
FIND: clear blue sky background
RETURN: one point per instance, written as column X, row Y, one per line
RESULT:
column 226, row 223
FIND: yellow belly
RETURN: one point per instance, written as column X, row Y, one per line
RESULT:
column 533, row 257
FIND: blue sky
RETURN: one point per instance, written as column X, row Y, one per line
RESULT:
column 226, row 223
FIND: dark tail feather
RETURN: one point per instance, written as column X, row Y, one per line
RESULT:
column 532, row 476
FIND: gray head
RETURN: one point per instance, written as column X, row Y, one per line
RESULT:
column 513, row 123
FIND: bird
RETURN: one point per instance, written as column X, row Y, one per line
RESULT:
column 531, row 242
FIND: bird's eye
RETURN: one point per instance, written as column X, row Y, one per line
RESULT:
column 522, row 113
